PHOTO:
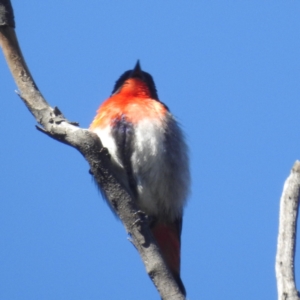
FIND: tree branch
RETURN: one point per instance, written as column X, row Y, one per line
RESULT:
column 286, row 243
column 55, row 125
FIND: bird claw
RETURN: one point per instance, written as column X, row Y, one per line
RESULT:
column 141, row 217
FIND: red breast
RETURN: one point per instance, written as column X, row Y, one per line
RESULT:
column 133, row 101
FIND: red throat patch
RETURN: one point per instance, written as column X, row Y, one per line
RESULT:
column 133, row 102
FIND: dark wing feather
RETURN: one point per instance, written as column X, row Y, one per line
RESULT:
column 123, row 133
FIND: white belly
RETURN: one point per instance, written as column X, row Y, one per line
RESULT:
column 161, row 187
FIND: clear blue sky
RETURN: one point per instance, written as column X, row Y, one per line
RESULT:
column 229, row 71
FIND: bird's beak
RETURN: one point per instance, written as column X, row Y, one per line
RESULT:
column 137, row 71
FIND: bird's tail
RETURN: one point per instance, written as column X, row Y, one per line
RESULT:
column 167, row 236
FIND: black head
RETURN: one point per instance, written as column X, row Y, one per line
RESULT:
column 137, row 73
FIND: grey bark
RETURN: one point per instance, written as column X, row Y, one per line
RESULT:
column 286, row 243
column 56, row 126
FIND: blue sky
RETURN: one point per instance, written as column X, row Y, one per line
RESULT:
column 228, row 70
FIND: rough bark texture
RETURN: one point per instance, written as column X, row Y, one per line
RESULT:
column 56, row 126
column 287, row 236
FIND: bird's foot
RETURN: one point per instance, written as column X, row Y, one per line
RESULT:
column 142, row 217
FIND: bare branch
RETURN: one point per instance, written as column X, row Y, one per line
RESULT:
column 55, row 125
column 287, row 236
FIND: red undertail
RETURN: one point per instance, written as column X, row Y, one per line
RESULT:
column 167, row 236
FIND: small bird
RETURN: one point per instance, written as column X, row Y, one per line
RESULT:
column 149, row 152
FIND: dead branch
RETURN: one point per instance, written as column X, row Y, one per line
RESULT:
column 287, row 236
column 55, row 125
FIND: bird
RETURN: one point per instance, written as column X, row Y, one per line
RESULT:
column 148, row 150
